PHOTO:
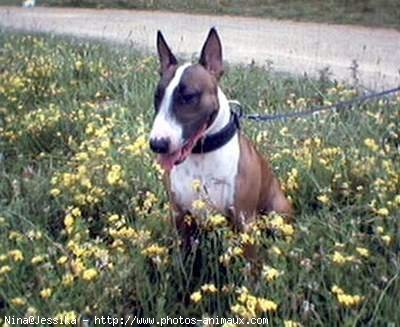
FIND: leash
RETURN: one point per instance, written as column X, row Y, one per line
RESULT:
column 238, row 109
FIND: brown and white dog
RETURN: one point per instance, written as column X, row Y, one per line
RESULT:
column 196, row 137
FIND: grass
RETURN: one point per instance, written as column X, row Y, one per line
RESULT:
column 84, row 225
column 384, row 13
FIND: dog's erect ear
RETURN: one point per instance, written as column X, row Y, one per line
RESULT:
column 167, row 59
column 211, row 54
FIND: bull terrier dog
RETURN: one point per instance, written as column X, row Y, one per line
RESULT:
column 197, row 137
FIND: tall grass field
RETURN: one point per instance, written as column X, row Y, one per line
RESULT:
column 84, row 217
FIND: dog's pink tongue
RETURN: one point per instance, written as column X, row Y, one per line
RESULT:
column 167, row 161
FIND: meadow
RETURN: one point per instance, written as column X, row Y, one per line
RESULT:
column 84, row 218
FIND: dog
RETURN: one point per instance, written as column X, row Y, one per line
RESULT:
column 197, row 137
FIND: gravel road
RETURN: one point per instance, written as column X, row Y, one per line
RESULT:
column 291, row 46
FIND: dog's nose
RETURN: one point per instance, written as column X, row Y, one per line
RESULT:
column 159, row 145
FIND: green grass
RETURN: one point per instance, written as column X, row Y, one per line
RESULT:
column 385, row 13
column 84, row 225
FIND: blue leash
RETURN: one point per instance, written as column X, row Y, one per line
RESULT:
column 236, row 106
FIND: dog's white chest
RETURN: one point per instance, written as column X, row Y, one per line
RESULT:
column 216, row 172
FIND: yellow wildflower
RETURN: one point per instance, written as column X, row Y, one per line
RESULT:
column 196, row 185
column 155, row 250
column 245, row 238
column 209, row 288
column 323, row 198
column 264, row 305
column 105, row 144
column 46, row 293
column 67, row 279
column 85, row 182
column 340, row 259
column 34, row 235
column 5, row 269
column 68, row 179
column 82, row 156
column 287, row 229
column 77, row 266
column 216, row 220
column 196, row 297
column 198, row 204
column 150, row 200
column 76, row 212
column 251, row 304
column 384, row 212
column 139, row 146
column 277, row 221
column 348, row 300
column 18, row 301
column 113, row 218
column 237, row 251
column 276, row 250
column 78, row 64
column 119, row 245
column 69, row 221
column 336, row 290
column 284, row 131
column 363, row 252
column 63, row 259
column 37, row 259
column 55, row 192
column 89, row 274
column 270, row 273
column 243, row 294
column 386, row 239
column 14, row 235
column 16, row 255
column 115, row 175
column 371, row 144
column 292, row 183
column 126, row 232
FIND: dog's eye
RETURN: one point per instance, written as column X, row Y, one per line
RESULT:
column 190, row 97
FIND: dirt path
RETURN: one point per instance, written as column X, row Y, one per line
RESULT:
column 290, row 46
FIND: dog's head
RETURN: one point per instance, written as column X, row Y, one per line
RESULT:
column 185, row 100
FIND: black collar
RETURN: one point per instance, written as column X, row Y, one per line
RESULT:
column 215, row 141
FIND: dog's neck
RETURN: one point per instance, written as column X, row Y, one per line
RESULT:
column 223, row 116
column 221, row 132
